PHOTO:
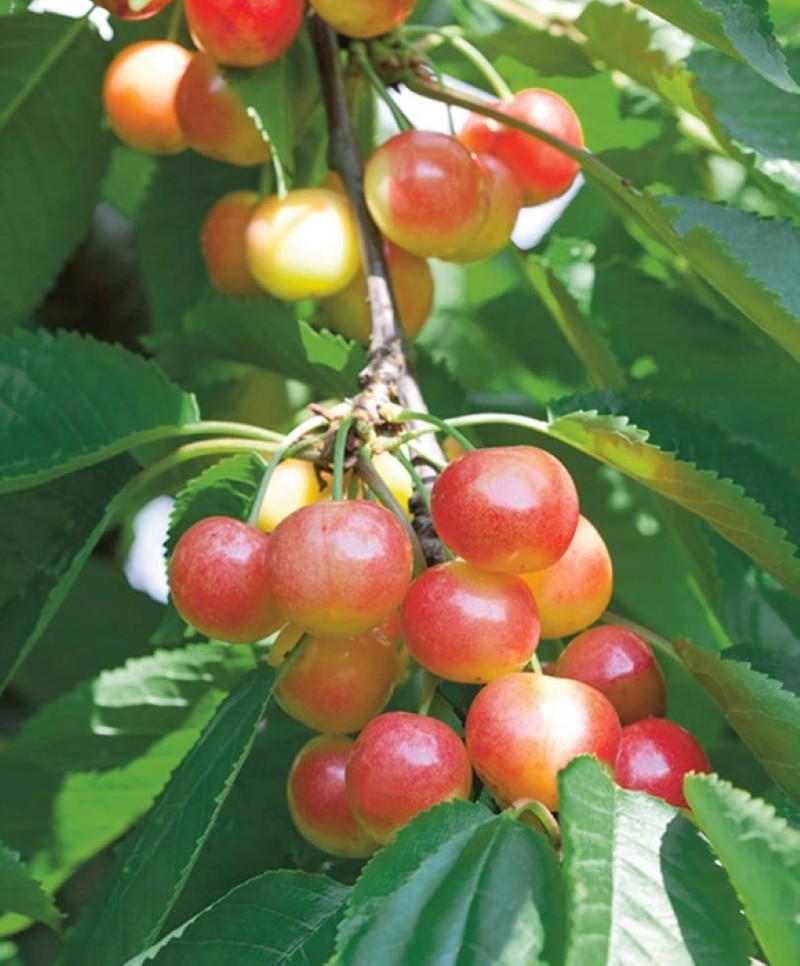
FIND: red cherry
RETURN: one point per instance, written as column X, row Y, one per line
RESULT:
column 495, row 233
column 222, row 243
column 244, row 33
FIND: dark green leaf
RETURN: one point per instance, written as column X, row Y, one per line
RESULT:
column 632, row 867
column 21, row 893
column 52, row 151
column 278, row 918
column 760, row 853
column 68, row 402
column 265, row 91
column 458, row 885
column 127, row 911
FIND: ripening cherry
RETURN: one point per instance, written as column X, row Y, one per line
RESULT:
column 304, row 245
column 244, row 33
column 574, row 591
column 426, row 193
column 403, row 764
column 214, row 121
column 654, row 757
column 543, row 172
column 522, row 729
column 495, row 233
column 340, row 566
column 318, row 799
column 337, row 684
column 469, row 625
column 139, row 95
column 363, row 18
column 219, row 580
column 293, row 484
column 619, row 664
column 512, row 509
column 222, row 244
column 133, row 9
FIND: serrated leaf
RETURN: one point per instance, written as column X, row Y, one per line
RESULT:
column 738, row 491
column 49, row 95
column 760, row 853
column 278, row 918
column 47, row 535
column 641, row 882
column 21, row 893
column 127, row 911
column 739, row 28
column 49, row 428
column 457, row 882
column 765, row 714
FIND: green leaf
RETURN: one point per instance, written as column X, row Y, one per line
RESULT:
column 127, row 911
column 740, row 493
column 764, row 713
column 21, row 893
column 739, row 28
column 265, row 91
column 457, row 882
column 50, row 428
column 641, row 881
column 49, row 96
column 47, row 535
column 279, row 917
column 760, row 853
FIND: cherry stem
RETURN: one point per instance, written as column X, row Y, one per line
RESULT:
column 456, row 39
column 442, row 425
column 175, row 22
column 544, row 819
column 359, row 52
column 339, row 455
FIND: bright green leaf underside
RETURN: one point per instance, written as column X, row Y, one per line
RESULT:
column 21, row 893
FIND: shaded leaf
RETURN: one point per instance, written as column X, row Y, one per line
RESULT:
column 21, row 893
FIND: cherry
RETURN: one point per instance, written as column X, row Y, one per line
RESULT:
column 139, row 95
column 469, row 625
column 338, row 684
column 214, row 121
column 426, row 193
column 133, row 9
column 363, row 18
column 244, row 33
column 655, row 755
column 401, row 765
column 522, row 729
column 293, row 484
column 513, row 508
column 222, row 243
column 339, row 567
column 574, row 591
column 219, row 579
column 506, row 201
column 318, row 799
column 619, row 664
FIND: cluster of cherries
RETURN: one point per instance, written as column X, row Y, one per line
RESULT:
column 432, row 195
column 336, row 575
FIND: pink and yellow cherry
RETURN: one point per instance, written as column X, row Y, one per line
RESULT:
column 495, row 233
column 214, row 120
column 511, row 509
column 304, row 245
column 133, row 9
column 574, row 591
column 363, row 18
column 655, row 755
column 403, row 764
column 219, row 580
column 348, row 313
column 543, row 172
column 337, row 684
column 426, row 193
column 318, row 800
column 340, row 566
column 522, row 729
column 222, row 244
column 293, row 484
column 621, row 666
column 139, row 95
column 469, row 625
column 244, row 33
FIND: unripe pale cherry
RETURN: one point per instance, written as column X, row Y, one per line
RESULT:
column 339, row 566
column 403, row 764
column 574, row 591
column 506, row 201
column 621, row 665
column 337, row 684
column 293, row 484
column 512, row 509
column 654, row 757
column 363, row 18
column 244, row 33
column 219, row 580
column 222, row 244
column 522, row 729
column 426, row 193
column 318, row 799
column 469, row 625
